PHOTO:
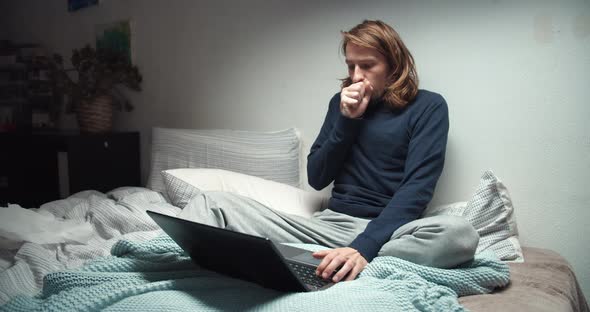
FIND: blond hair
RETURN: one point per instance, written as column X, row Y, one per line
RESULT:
column 403, row 77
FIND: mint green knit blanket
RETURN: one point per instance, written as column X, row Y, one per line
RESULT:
column 157, row 275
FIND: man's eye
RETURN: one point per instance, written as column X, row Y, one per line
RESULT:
column 366, row 66
column 351, row 67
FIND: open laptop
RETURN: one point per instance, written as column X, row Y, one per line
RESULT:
column 248, row 257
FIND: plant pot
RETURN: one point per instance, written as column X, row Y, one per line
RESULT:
column 96, row 116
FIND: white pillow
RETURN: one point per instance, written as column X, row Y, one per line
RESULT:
column 491, row 213
column 184, row 184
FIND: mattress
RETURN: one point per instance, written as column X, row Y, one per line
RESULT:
column 544, row 282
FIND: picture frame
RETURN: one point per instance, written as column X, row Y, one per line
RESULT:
column 116, row 37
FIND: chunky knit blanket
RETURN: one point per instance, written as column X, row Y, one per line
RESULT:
column 156, row 275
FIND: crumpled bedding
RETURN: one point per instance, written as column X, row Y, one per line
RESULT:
column 545, row 282
column 119, row 214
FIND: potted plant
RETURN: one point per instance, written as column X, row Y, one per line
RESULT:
column 94, row 93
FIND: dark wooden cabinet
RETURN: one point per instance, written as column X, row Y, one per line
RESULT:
column 40, row 167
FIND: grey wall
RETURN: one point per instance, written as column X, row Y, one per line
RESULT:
column 515, row 75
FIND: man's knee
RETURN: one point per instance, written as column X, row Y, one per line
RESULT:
column 461, row 233
column 439, row 241
column 460, row 227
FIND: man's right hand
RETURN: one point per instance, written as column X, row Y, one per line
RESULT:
column 355, row 98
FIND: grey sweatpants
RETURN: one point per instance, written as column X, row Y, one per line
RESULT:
column 439, row 241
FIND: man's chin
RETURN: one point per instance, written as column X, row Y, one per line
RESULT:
column 377, row 96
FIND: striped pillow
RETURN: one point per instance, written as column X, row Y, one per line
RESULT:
column 269, row 155
column 491, row 213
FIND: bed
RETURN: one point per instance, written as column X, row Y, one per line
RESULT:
column 114, row 257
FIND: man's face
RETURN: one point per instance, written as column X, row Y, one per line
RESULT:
column 367, row 64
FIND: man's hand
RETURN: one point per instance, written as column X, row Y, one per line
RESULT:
column 355, row 98
column 349, row 260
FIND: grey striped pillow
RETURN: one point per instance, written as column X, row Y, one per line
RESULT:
column 269, row 155
column 491, row 213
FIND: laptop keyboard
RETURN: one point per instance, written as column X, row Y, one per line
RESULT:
column 307, row 275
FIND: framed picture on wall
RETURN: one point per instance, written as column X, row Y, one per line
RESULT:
column 74, row 5
column 115, row 38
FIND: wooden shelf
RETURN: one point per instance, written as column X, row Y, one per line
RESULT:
column 39, row 167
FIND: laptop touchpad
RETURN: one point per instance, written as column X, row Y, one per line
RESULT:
column 306, row 257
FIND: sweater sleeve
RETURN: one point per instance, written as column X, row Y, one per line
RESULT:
column 331, row 147
column 424, row 164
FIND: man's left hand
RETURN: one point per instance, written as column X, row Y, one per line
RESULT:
column 349, row 260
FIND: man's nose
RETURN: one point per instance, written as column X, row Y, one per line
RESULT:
column 357, row 75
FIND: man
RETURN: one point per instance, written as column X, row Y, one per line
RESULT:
column 382, row 144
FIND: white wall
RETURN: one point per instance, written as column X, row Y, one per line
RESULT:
column 515, row 75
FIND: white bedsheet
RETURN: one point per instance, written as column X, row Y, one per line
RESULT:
column 113, row 216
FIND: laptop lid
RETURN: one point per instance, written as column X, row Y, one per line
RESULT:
column 238, row 255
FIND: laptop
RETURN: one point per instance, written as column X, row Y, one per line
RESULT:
column 252, row 258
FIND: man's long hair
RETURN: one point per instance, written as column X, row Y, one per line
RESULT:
column 403, row 79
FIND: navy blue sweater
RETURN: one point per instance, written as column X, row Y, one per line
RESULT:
column 384, row 166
